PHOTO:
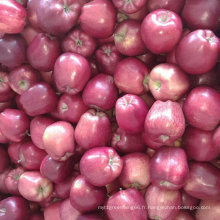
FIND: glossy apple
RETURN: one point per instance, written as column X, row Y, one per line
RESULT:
column 36, row 216
column 14, row 124
column 198, row 51
column 67, row 211
column 53, row 211
column 58, row 140
column 202, row 108
column 157, row 197
column 34, row 187
column 164, row 124
column 77, row 41
column 89, row 217
column 203, row 181
column 169, row 168
column 71, row 73
column 168, row 82
column 130, row 112
column 184, row 215
column 131, row 75
column 165, row 30
column 12, row 50
column 148, row 58
column 37, row 127
column 43, row 51
column 3, row 139
column 22, row 78
column 13, row 151
column 125, row 142
column 38, row 99
column 93, row 129
column 128, row 40
column 29, row 33
column 3, row 187
column 5, row 105
column 13, row 17
column 99, row 26
column 107, row 57
column 71, row 107
column 129, row 199
column 84, row 196
column 189, row 201
column 101, row 165
column 100, row 92
column 6, row 93
column 15, row 208
column 129, row 177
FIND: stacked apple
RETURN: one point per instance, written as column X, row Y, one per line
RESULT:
column 109, row 109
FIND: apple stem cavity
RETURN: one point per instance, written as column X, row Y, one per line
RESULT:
column 108, row 52
column 157, row 85
column 79, row 43
column 23, row 84
column 111, row 161
column 66, row 9
column 164, row 138
column 164, row 17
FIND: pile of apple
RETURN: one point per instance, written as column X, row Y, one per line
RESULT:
column 109, row 109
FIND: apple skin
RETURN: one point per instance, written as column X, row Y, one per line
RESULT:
column 38, row 99
column 194, row 11
column 101, row 165
column 202, row 108
column 89, row 217
column 53, row 16
column 29, row 33
column 13, row 17
column 5, row 105
column 188, row 200
column 216, row 139
column 212, row 212
column 171, row 5
column 100, row 92
column 10, row 46
column 13, row 151
column 166, row 30
column 198, row 51
column 157, row 197
column 3, row 188
column 125, row 143
column 22, row 78
column 77, row 41
column 199, row 145
column 107, row 57
column 43, row 51
column 99, row 26
column 184, row 215
column 58, row 140
column 136, row 171
column 15, row 208
column 56, row 171
column 71, row 107
column 129, row 198
column 71, row 73
column 36, row 216
column 3, row 139
column 13, row 124
column 164, row 124
column 37, row 127
column 53, row 211
column 67, row 211
column 130, row 76
column 129, row 31
column 11, row 180
column 93, row 129
column 168, row 82
column 130, row 112
column 84, row 196
column 169, row 168
column 203, row 181
column 4, row 159
column 34, row 187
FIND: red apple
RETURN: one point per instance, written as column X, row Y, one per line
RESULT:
column 67, row 211
column 6, row 93
column 184, row 215
column 189, row 201
column 36, row 216
column 101, row 165
column 7, row 104
column 3, row 139
column 89, row 217
column 29, row 33
column 216, row 139
column 4, row 159
column 34, row 187
column 13, row 151
column 3, row 187
column 93, row 129
column 53, row 211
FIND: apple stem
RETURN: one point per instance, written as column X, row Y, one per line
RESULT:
column 66, row 9
column 164, row 17
column 111, row 162
column 79, row 42
column 157, row 85
column 108, row 52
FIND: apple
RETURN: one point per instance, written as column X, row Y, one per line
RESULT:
column 101, row 165
column 5, row 105
column 93, row 129
column 53, row 211
column 127, row 38
column 89, row 217
column 148, row 58
column 130, row 203
column 189, row 201
column 13, row 151
column 130, row 112
column 15, row 208
column 71, row 73
column 168, row 82
column 202, row 108
column 6, row 93
column 100, row 92
column 184, row 215
column 3, row 139
column 3, row 187
column 29, row 33
column 165, row 30
column 84, row 196
column 216, row 139
column 4, row 159
column 99, row 26
column 36, row 216
column 131, row 76
column 34, row 187
column 77, row 41
column 169, row 168
column 67, row 211
column 14, row 124
column 58, row 140
column 198, row 51
column 129, row 176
